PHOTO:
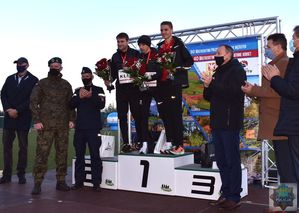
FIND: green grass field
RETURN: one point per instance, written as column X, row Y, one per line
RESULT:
column 51, row 160
column 31, row 152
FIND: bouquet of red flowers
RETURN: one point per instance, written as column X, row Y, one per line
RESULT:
column 166, row 60
column 103, row 70
column 136, row 69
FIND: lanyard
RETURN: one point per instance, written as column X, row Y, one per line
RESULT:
column 123, row 57
column 148, row 56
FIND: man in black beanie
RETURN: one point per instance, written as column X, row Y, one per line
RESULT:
column 144, row 39
column 153, row 72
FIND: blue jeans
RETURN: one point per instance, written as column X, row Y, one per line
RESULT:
column 227, row 154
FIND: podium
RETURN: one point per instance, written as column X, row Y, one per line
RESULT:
column 109, row 173
column 174, row 175
column 150, row 173
column 204, row 183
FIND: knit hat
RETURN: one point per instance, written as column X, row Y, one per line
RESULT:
column 144, row 39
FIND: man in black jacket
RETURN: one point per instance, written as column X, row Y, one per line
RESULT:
column 15, row 96
column 127, row 94
column 223, row 91
column 288, row 121
column 171, row 89
column 88, row 100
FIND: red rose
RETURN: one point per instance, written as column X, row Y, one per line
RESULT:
column 102, row 64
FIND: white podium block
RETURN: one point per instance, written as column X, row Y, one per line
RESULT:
column 151, row 173
column 204, row 183
column 109, row 173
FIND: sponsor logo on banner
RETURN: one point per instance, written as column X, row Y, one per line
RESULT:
column 124, row 78
column 246, row 50
column 241, row 54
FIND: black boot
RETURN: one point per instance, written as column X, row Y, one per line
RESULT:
column 62, row 186
column 96, row 188
column 22, row 180
column 36, row 189
column 5, row 179
column 77, row 186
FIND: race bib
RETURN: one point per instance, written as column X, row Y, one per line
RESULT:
column 151, row 83
column 124, row 78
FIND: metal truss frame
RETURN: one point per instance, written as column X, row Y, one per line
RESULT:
column 262, row 26
column 270, row 175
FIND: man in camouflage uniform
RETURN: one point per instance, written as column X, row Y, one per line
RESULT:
column 52, row 119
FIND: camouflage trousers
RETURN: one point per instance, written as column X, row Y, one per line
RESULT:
column 45, row 139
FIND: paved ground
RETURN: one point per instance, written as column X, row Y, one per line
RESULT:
column 15, row 198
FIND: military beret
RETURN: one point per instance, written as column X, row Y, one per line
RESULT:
column 86, row 70
column 54, row 60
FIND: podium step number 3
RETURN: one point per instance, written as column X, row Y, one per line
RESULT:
column 161, row 174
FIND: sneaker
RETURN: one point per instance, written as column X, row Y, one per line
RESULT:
column 166, row 152
column 143, row 149
column 126, row 148
column 22, row 180
column 166, row 148
column 36, row 189
column 178, row 150
column 5, row 179
column 62, row 186
column 138, row 146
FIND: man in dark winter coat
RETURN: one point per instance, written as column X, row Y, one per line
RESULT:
column 288, row 121
column 223, row 91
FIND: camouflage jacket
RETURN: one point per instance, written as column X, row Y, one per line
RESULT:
column 49, row 103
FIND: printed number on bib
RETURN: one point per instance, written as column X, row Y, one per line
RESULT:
column 124, row 78
column 151, row 83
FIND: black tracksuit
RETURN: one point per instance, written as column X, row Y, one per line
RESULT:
column 87, row 129
column 227, row 113
column 126, row 94
column 170, row 91
column 146, row 96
